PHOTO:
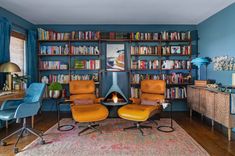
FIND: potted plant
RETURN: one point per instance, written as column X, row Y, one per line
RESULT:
column 19, row 81
column 55, row 90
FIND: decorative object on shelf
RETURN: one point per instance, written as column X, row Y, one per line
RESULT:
column 55, row 90
column 223, row 63
column 199, row 61
column 115, row 60
column 8, row 68
column 175, row 50
column 20, row 81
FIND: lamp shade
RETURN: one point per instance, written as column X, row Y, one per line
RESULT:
column 9, row 67
column 200, row 61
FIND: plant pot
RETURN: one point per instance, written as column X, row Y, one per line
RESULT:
column 17, row 86
column 55, row 94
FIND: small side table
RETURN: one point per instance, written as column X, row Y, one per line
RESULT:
column 170, row 127
column 59, row 102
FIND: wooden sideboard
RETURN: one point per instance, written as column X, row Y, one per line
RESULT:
column 212, row 104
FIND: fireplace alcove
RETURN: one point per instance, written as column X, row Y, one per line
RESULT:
column 114, row 98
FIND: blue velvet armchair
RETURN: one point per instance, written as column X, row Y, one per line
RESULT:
column 23, row 108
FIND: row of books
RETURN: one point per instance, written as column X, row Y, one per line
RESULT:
column 85, row 50
column 85, row 35
column 145, row 50
column 96, row 35
column 54, row 50
column 180, row 50
column 171, row 93
column 145, row 64
column 61, row 78
column 52, row 65
column 52, row 35
column 175, row 36
column 145, row 36
column 176, row 93
column 174, row 78
column 87, row 64
column 176, row 64
column 93, row 76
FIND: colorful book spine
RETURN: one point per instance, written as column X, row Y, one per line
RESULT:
column 145, row 64
column 85, row 77
column 145, row 50
column 52, row 65
column 85, row 50
column 176, row 93
column 87, row 64
column 54, row 50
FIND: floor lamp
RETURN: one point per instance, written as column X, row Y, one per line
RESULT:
column 8, row 68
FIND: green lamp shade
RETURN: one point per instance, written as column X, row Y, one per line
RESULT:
column 9, row 67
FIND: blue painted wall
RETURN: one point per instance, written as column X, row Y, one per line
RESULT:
column 18, row 24
column 217, row 38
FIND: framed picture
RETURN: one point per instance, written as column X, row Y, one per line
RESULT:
column 115, row 57
column 175, row 50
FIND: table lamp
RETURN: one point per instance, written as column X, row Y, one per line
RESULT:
column 8, row 68
column 199, row 62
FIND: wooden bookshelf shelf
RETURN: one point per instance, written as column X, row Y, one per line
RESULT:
column 84, row 54
column 53, row 69
column 145, row 40
column 84, row 69
column 176, row 40
column 52, row 55
column 145, row 55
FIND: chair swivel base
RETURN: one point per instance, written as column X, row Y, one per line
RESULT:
column 88, row 127
column 139, row 127
column 21, row 132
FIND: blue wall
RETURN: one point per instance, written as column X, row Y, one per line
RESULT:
column 18, row 24
column 217, row 38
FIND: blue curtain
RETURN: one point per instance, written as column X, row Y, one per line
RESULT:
column 31, row 56
column 5, row 35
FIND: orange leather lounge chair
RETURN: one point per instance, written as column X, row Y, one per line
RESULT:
column 142, row 109
column 85, row 106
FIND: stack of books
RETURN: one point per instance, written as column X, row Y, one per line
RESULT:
column 54, row 50
column 176, row 93
column 137, row 78
column 145, row 64
column 85, row 35
column 61, row 78
column 93, row 76
column 87, row 64
column 145, row 50
column 144, row 36
column 176, row 36
column 115, row 35
column 85, row 50
column 52, row 65
column 52, row 35
column 176, row 64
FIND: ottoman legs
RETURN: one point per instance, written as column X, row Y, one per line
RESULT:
column 139, row 127
column 90, row 125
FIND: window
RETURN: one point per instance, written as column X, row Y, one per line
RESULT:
column 17, row 50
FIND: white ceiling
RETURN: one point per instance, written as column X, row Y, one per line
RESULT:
column 115, row 11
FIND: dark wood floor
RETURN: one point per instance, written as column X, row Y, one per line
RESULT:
column 213, row 140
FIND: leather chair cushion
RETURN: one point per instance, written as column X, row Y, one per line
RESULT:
column 83, row 97
column 152, row 97
column 153, row 86
column 83, row 101
column 89, row 113
column 136, row 112
column 81, row 87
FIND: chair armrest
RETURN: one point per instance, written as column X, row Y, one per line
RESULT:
column 27, row 109
column 135, row 100
column 11, row 104
column 98, row 100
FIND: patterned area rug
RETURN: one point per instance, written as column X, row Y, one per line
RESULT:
column 116, row 142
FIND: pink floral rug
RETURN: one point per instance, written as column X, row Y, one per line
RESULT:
column 115, row 142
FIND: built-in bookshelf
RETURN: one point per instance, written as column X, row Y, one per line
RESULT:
column 76, row 55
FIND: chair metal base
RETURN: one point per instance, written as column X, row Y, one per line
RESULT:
column 21, row 132
column 139, row 127
column 89, row 126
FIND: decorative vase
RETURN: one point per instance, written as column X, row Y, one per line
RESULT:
column 55, row 94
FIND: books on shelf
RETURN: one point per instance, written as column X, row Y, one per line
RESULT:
column 176, row 93
column 176, row 64
column 85, row 35
column 53, row 65
column 135, row 92
column 85, row 50
column 145, row 64
column 173, row 78
column 54, row 50
column 145, row 50
column 176, row 36
column 115, row 35
column 87, row 64
column 74, row 35
column 61, row 78
column 145, row 36
column 176, row 50
column 93, row 76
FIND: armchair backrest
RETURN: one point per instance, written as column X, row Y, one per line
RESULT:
column 153, row 89
column 34, row 92
column 82, row 89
